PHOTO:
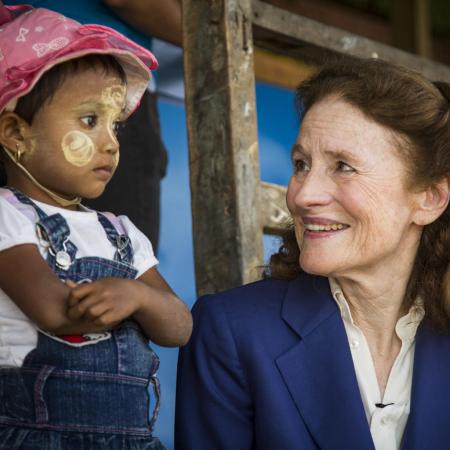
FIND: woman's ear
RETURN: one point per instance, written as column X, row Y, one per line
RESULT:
column 13, row 130
column 432, row 202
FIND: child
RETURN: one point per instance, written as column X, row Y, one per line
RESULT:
column 80, row 295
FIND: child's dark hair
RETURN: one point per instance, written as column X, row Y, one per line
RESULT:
column 28, row 105
column 43, row 91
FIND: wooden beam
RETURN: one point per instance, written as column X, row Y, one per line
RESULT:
column 311, row 41
column 411, row 26
column 224, row 167
column 340, row 15
column 275, row 215
column 422, row 20
column 280, row 70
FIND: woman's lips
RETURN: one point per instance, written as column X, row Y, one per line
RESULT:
column 328, row 227
column 318, row 227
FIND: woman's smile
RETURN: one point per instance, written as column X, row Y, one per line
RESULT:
column 345, row 193
column 317, row 228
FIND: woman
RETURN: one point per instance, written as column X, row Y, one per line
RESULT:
column 347, row 344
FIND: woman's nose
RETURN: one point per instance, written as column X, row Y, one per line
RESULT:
column 311, row 189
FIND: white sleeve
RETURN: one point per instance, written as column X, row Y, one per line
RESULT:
column 144, row 258
column 15, row 228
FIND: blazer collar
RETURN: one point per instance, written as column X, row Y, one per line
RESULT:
column 308, row 302
column 318, row 370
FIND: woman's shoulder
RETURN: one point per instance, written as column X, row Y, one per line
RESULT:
column 243, row 296
column 258, row 297
column 253, row 318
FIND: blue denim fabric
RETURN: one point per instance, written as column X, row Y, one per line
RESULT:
column 90, row 397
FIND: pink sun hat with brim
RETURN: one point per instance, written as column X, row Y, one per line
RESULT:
column 32, row 41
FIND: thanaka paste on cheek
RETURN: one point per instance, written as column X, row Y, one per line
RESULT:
column 78, row 148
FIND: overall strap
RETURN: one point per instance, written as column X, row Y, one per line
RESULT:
column 117, row 236
column 52, row 229
column 17, row 199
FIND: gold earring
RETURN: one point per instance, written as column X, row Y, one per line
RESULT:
column 18, row 152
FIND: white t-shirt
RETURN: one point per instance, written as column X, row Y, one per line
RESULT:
column 18, row 335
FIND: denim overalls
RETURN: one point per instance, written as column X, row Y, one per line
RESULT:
column 90, row 392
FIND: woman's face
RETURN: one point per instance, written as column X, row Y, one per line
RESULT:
column 348, row 196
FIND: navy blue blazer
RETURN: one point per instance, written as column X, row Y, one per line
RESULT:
column 269, row 367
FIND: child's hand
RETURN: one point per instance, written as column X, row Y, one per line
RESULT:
column 106, row 302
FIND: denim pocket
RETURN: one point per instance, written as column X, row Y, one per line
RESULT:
column 17, row 402
column 135, row 357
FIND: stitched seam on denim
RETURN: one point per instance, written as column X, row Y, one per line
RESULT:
column 157, row 391
column 102, row 262
column 56, row 230
column 81, row 428
column 115, row 221
column 82, row 374
column 41, row 408
column 124, row 255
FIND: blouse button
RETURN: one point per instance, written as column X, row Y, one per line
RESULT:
column 354, row 343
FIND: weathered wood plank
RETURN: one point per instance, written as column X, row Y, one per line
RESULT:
column 274, row 213
column 224, row 167
column 411, row 26
column 280, row 70
column 311, row 41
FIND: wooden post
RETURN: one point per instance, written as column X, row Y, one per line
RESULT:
column 411, row 26
column 224, row 167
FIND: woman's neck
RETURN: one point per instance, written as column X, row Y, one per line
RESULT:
column 376, row 293
column 375, row 304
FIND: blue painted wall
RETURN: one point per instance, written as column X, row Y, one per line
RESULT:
column 277, row 130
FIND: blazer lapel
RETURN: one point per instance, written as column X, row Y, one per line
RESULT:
column 429, row 419
column 319, row 372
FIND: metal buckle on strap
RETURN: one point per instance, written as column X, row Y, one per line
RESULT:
column 62, row 257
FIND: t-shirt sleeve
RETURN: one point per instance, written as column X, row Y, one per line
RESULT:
column 144, row 258
column 15, row 227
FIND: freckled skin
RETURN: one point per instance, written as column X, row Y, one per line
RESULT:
column 373, row 197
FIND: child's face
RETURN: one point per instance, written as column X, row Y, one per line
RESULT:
column 72, row 143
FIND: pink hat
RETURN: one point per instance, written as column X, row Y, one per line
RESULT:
column 32, row 41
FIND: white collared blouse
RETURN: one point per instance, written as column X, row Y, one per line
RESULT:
column 387, row 423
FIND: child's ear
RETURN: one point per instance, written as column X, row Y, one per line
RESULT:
column 432, row 202
column 13, row 130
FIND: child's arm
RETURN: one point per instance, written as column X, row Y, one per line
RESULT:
column 164, row 318
column 67, row 308
column 38, row 292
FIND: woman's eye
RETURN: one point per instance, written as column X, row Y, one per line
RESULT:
column 344, row 167
column 300, row 165
column 90, row 120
